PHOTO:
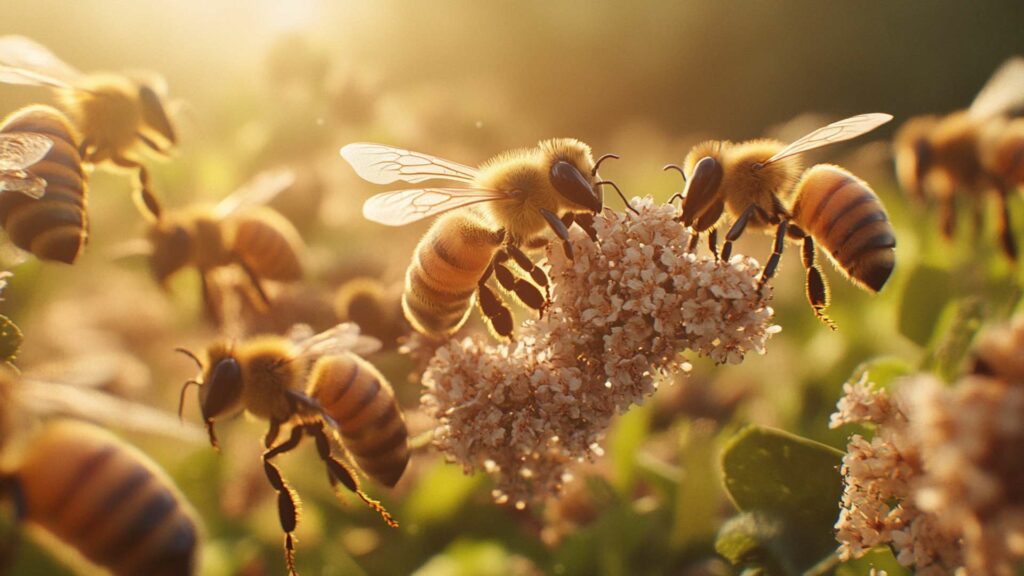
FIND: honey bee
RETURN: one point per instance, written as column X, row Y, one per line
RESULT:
column 507, row 205
column 239, row 230
column 39, row 157
column 966, row 152
column 105, row 499
column 314, row 385
column 761, row 184
column 119, row 117
column 374, row 306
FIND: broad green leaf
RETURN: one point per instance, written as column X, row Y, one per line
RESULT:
column 698, row 495
column 10, row 339
column 627, row 437
column 924, row 296
column 793, row 480
column 960, row 321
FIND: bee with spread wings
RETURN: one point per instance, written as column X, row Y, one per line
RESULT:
column 118, row 116
column 495, row 213
column 969, row 154
column 762, row 184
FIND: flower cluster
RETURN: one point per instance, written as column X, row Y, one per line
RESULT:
column 942, row 480
column 621, row 313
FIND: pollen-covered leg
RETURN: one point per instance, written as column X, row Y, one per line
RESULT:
column 287, row 500
column 773, row 260
column 817, row 287
column 337, row 471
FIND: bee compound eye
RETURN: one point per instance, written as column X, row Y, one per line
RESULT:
column 571, row 184
column 223, row 389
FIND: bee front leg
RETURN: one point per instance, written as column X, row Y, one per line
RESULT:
column 773, row 260
column 735, row 231
column 337, row 471
column 560, row 230
column 144, row 197
column 287, row 500
column 713, row 242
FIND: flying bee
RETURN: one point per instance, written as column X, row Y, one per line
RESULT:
column 120, row 118
column 239, row 230
column 85, row 490
column 314, row 385
column 508, row 204
column 761, row 184
column 107, row 500
column 939, row 156
column 39, row 157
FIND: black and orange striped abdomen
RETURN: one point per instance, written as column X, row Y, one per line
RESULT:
column 846, row 218
column 55, row 226
column 107, row 500
column 361, row 401
column 268, row 244
column 446, row 267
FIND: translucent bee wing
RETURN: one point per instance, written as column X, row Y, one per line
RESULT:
column 31, row 186
column 19, row 150
column 259, row 190
column 402, row 207
column 382, row 164
column 1003, row 93
column 839, row 131
column 51, row 399
column 338, row 339
column 25, row 61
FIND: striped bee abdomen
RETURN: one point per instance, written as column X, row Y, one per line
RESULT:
column 845, row 217
column 106, row 500
column 268, row 244
column 442, row 279
column 54, row 227
column 355, row 394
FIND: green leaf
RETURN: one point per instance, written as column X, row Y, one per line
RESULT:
column 751, row 540
column 924, row 296
column 698, row 496
column 440, row 494
column 959, row 323
column 882, row 371
column 794, row 481
column 10, row 339
column 624, row 444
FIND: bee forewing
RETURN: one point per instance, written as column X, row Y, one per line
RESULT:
column 51, row 398
column 338, row 339
column 1004, row 91
column 259, row 190
column 402, row 207
column 382, row 164
column 19, row 150
column 31, row 186
column 839, row 131
column 25, row 61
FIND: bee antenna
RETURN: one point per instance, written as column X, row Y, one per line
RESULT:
column 675, row 167
column 621, row 195
column 593, row 172
column 189, row 353
column 181, row 400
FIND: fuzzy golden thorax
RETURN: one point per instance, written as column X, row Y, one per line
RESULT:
column 1002, row 150
column 187, row 236
column 524, row 174
column 955, row 155
column 107, row 112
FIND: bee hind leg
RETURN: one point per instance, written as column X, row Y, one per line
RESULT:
column 337, row 471
column 287, row 500
column 817, row 287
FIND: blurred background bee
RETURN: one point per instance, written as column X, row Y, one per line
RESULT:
column 119, row 117
column 509, row 203
column 40, row 158
column 239, row 230
column 762, row 184
column 969, row 154
column 308, row 385
column 86, row 495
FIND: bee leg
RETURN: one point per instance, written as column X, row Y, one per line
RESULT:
column 559, row 227
column 947, row 216
column 287, row 500
column 536, row 272
column 694, row 239
column 210, row 305
column 255, row 281
column 212, row 434
column 586, row 222
column 338, row 472
column 735, row 231
column 1009, row 243
column 144, row 196
column 713, row 242
column 817, row 287
column 773, row 260
column 272, row 433
column 526, row 292
column 496, row 312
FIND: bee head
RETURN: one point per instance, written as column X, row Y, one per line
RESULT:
column 157, row 131
column 172, row 245
column 914, row 153
column 573, row 186
column 220, row 390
